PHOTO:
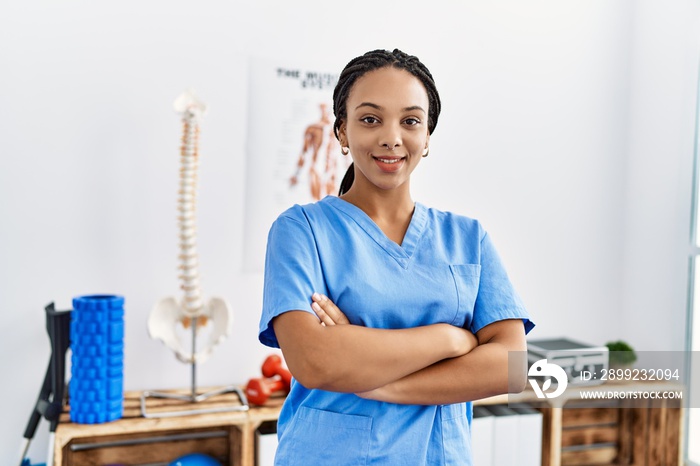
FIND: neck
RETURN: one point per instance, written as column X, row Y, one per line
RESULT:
column 394, row 205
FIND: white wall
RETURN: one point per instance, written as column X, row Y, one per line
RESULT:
column 542, row 137
column 663, row 89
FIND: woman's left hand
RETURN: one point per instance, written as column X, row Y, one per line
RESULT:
column 327, row 311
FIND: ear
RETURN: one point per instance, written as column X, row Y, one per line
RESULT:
column 426, row 150
column 342, row 135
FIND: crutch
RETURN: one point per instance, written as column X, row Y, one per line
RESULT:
column 50, row 401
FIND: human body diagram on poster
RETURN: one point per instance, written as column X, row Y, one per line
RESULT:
column 318, row 140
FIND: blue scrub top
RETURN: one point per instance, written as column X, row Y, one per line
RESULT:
column 445, row 271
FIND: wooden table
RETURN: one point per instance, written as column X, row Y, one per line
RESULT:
column 135, row 440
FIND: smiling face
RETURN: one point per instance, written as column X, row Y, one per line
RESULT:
column 386, row 128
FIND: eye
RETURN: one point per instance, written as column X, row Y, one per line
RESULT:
column 411, row 121
column 370, row 120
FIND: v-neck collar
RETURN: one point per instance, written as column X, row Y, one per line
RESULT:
column 401, row 253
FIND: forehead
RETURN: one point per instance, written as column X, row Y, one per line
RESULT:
column 388, row 87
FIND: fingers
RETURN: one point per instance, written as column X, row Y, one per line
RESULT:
column 327, row 311
column 325, row 318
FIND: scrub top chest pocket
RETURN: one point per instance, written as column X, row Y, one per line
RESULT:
column 466, row 279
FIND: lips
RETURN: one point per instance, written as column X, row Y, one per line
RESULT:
column 389, row 164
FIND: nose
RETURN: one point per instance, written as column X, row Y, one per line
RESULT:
column 390, row 138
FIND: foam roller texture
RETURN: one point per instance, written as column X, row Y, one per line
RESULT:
column 97, row 362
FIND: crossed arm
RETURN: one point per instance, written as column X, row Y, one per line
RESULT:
column 433, row 364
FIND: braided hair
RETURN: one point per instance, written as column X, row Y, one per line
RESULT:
column 374, row 60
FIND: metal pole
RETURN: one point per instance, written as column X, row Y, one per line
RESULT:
column 194, row 361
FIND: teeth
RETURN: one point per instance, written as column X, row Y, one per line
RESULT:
column 389, row 160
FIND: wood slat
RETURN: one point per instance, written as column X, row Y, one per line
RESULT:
column 551, row 438
column 589, row 435
column 624, row 453
column 657, row 430
column 546, row 438
column 673, row 439
column 573, row 417
column 638, row 434
column 268, row 412
column 603, row 455
column 240, row 445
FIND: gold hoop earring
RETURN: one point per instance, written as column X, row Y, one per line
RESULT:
column 345, row 150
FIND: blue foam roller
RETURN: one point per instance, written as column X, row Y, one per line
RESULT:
column 97, row 373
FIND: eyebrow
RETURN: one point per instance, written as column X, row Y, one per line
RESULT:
column 378, row 107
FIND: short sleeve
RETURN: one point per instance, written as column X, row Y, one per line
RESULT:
column 292, row 272
column 496, row 299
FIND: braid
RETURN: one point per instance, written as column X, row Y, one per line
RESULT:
column 374, row 60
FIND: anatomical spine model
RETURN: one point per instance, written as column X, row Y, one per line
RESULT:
column 191, row 312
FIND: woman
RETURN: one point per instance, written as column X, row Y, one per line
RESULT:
column 391, row 316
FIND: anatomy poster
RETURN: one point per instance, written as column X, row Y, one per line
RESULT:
column 292, row 155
